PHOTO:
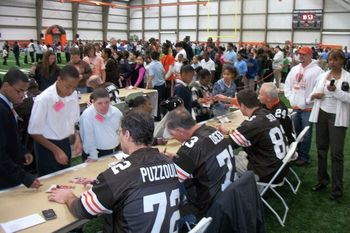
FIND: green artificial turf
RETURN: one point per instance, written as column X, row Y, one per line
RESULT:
column 308, row 211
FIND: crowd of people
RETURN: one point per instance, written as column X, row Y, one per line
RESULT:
column 195, row 82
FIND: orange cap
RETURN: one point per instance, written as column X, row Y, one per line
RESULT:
column 305, row 50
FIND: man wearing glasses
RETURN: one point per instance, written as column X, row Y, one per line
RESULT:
column 12, row 154
column 140, row 192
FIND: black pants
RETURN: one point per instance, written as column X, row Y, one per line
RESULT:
column 328, row 135
column 39, row 57
column 59, row 59
column 101, row 153
column 17, row 60
column 46, row 162
column 161, row 96
column 67, row 57
column 5, row 60
column 25, row 59
column 31, row 54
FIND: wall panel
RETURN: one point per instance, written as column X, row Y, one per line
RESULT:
column 278, row 21
column 230, row 22
column 231, row 7
column 90, row 35
column 168, row 23
column 337, row 39
column 336, row 21
column 254, row 21
column 254, row 6
column 306, row 37
column 276, row 37
column 252, row 36
column 314, row 4
column 187, row 23
column 277, row 6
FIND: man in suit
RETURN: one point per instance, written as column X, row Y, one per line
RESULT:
column 12, row 154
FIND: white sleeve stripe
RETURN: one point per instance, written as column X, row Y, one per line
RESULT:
column 237, row 139
column 98, row 204
column 86, row 205
column 92, row 205
column 182, row 173
column 242, row 138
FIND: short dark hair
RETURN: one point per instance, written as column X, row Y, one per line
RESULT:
column 178, row 45
column 230, row 69
column 138, row 101
column 248, row 97
column 69, row 71
column 140, row 126
column 186, row 69
column 14, row 76
column 99, row 92
column 154, row 55
column 180, row 118
column 74, row 51
column 230, row 44
column 203, row 74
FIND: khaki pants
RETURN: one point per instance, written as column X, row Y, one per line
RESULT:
column 248, row 84
column 277, row 74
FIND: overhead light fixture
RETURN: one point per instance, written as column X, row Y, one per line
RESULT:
column 167, row 32
column 335, row 33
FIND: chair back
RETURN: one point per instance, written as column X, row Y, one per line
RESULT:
column 302, row 134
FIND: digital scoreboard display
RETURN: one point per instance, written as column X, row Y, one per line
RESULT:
column 307, row 19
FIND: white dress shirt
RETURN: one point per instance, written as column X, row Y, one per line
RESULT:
column 209, row 65
column 99, row 131
column 53, row 116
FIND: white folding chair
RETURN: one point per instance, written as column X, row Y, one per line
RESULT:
column 202, row 225
column 295, row 188
column 272, row 186
column 302, row 134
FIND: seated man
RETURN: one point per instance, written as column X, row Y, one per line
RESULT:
column 141, row 191
column 204, row 162
column 99, row 124
column 181, row 88
column 261, row 137
column 268, row 96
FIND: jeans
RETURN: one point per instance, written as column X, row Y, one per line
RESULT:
column 300, row 121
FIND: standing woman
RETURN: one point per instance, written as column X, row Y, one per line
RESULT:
column 96, row 63
column 331, row 113
column 47, row 71
column 138, row 74
column 111, row 66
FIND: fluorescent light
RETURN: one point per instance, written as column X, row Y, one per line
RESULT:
column 336, row 33
column 167, row 32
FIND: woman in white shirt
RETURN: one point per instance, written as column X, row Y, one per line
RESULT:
column 331, row 113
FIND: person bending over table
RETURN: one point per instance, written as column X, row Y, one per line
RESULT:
column 52, row 122
column 261, row 137
column 99, row 124
column 12, row 154
column 140, row 193
column 204, row 162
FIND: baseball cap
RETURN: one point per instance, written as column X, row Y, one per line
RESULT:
column 305, row 50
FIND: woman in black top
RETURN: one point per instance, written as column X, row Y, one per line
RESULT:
column 111, row 66
column 47, row 71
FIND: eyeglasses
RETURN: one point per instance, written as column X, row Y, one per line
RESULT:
column 119, row 131
column 24, row 92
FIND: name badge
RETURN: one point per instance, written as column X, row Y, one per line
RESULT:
column 99, row 118
column 58, row 106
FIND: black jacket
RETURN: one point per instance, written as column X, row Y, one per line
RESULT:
column 238, row 209
column 11, row 151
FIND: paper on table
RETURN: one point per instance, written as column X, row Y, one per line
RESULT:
column 22, row 223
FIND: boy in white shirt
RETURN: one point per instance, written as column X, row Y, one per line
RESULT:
column 99, row 126
column 54, row 115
